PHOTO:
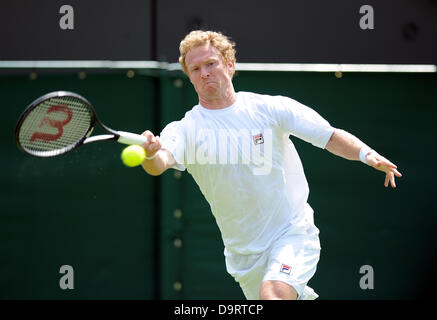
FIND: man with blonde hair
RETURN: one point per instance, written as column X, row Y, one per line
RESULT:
column 236, row 146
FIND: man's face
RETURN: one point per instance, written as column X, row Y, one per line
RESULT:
column 207, row 71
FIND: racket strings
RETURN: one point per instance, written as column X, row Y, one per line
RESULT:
column 55, row 126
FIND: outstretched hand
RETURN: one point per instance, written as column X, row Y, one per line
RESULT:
column 380, row 163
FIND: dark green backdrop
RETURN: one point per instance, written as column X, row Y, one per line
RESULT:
column 128, row 235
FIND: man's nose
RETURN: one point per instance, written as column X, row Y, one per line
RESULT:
column 204, row 73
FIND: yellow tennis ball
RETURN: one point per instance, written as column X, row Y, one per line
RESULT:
column 133, row 155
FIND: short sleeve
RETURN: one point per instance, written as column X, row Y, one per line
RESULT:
column 173, row 139
column 301, row 121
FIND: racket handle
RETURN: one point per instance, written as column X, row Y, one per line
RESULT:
column 130, row 138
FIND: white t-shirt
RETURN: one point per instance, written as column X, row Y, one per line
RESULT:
column 246, row 166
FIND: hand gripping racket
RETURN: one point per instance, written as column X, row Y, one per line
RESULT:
column 61, row 121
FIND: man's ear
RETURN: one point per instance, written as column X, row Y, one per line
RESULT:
column 231, row 68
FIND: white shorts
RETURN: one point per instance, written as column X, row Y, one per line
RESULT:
column 292, row 258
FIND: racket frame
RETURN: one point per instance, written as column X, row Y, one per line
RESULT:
column 119, row 136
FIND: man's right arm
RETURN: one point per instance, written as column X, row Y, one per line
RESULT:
column 162, row 159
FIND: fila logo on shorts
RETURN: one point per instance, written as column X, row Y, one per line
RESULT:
column 258, row 139
column 285, row 269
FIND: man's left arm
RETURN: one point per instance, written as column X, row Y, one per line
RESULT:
column 348, row 146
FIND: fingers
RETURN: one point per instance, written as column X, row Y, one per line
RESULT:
column 389, row 178
column 154, row 146
column 153, row 143
column 392, row 180
column 391, row 172
column 380, row 163
column 149, row 135
column 397, row 173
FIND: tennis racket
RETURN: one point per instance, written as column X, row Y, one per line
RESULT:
column 61, row 121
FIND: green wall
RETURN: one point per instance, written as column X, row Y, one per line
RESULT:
column 132, row 236
column 83, row 208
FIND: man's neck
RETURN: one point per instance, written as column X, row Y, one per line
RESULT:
column 220, row 102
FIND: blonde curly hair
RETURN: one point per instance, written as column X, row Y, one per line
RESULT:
column 199, row 38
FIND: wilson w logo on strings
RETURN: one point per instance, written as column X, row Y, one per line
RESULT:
column 53, row 123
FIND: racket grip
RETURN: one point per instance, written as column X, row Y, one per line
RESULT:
column 130, row 138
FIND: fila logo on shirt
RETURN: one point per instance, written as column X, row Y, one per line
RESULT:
column 258, row 138
column 285, row 269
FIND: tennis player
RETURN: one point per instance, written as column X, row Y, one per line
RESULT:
column 236, row 146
